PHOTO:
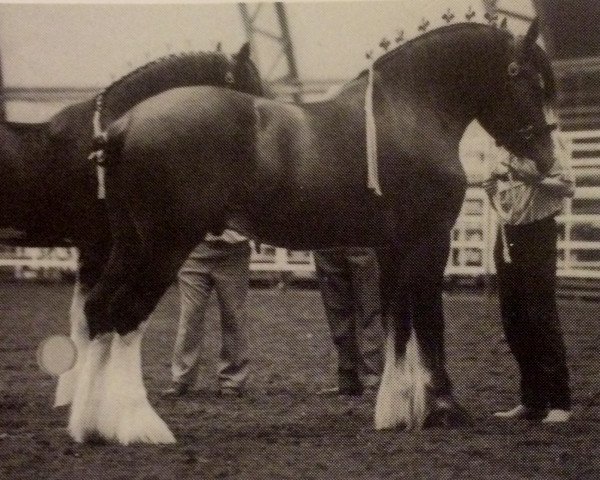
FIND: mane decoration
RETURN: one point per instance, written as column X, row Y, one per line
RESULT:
column 426, row 26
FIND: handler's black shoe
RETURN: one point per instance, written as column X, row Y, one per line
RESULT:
column 177, row 390
column 522, row 412
column 348, row 384
column 355, row 391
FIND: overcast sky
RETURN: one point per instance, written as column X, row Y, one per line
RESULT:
column 89, row 45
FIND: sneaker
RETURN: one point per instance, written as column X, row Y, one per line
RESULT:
column 177, row 390
column 557, row 415
column 521, row 411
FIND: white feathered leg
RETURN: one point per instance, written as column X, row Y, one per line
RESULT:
column 67, row 382
column 402, row 395
column 124, row 414
column 83, row 423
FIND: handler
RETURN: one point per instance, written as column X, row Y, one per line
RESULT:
column 349, row 281
column 525, row 255
column 222, row 264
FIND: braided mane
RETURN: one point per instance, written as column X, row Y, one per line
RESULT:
column 160, row 62
column 165, row 73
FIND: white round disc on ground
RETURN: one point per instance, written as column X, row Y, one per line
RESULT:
column 56, row 355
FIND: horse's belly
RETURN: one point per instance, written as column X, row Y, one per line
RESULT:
column 297, row 224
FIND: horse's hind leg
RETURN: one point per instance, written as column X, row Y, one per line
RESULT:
column 93, row 360
column 92, row 258
column 403, row 398
column 67, row 382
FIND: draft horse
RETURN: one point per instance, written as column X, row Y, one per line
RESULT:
column 198, row 160
column 48, row 185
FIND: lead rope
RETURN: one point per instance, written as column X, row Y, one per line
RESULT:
column 505, row 216
column 371, row 134
column 99, row 155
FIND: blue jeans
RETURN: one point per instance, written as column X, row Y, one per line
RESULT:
column 224, row 268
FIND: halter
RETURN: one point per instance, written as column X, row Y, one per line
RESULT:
column 524, row 134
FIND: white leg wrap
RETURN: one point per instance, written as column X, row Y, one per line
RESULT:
column 80, row 335
column 83, row 423
column 124, row 413
column 402, row 396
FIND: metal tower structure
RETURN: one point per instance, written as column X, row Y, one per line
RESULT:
column 267, row 30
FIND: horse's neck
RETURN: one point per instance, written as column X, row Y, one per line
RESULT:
column 447, row 73
column 406, row 106
column 167, row 74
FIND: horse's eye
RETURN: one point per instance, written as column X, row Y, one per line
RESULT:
column 513, row 69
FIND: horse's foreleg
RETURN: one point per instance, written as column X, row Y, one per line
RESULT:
column 83, row 422
column 403, row 398
column 427, row 298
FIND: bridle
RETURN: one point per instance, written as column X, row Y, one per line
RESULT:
column 523, row 135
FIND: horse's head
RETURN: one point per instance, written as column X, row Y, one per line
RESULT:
column 515, row 113
column 246, row 77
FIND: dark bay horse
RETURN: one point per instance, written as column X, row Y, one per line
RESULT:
column 198, row 160
column 48, row 185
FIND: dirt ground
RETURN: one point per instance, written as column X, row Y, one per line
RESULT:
column 282, row 429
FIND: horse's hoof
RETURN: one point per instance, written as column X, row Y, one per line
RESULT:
column 447, row 415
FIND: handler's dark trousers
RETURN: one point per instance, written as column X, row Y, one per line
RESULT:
column 349, row 281
column 529, row 313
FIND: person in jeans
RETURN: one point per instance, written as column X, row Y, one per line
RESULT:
column 525, row 255
column 220, row 264
column 349, row 282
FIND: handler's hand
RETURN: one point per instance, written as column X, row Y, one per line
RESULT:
column 490, row 186
column 525, row 171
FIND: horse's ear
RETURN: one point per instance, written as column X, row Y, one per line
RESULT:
column 532, row 34
column 244, row 53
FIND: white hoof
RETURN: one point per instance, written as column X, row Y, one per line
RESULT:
column 402, row 395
